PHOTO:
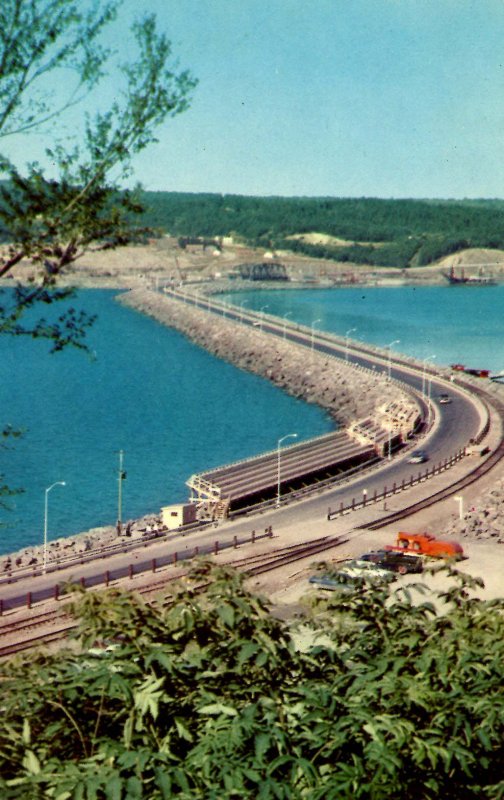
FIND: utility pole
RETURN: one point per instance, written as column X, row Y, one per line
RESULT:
column 120, row 477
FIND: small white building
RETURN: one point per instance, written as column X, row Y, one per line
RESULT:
column 178, row 514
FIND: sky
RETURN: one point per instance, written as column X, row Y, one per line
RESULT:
column 341, row 98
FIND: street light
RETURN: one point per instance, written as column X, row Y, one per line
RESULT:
column 287, row 436
column 58, row 483
column 313, row 335
column 396, row 341
column 241, row 306
column 460, row 500
column 423, row 373
column 347, row 334
column 262, row 316
column 289, row 313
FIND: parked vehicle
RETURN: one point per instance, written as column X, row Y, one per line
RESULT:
column 334, row 583
column 361, row 568
column 351, row 575
column 426, row 544
column 418, row 457
column 397, row 561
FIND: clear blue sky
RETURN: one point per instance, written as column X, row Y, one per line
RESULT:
column 381, row 98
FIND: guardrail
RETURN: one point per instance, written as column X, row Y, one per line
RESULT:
column 389, row 491
column 56, row 591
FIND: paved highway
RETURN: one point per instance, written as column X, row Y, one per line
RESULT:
column 453, row 425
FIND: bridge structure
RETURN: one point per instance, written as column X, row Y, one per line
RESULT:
column 332, row 456
column 476, row 411
column 264, row 271
column 255, row 483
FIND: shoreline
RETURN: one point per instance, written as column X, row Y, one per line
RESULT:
column 314, row 390
column 339, row 389
column 161, row 259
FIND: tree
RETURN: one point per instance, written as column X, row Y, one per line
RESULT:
column 52, row 221
column 203, row 694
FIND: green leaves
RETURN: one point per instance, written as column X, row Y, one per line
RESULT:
column 391, row 701
column 147, row 696
column 50, row 222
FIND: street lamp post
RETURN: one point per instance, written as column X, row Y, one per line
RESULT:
column 287, row 436
column 396, row 341
column 262, row 317
column 289, row 313
column 46, row 515
column 460, row 500
column 121, row 476
column 423, row 373
column 312, row 343
column 347, row 334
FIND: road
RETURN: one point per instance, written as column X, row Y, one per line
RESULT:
column 452, row 426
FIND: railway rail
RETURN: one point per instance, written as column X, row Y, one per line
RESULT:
column 29, row 629
column 251, row 565
column 442, row 494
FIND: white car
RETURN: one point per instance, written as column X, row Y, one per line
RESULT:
column 356, row 568
column 418, row 457
column 351, row 575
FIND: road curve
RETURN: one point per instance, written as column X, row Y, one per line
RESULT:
column 452, row 427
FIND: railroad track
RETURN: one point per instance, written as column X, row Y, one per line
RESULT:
column 32, row 621
column 442, row 494
column 252, row 565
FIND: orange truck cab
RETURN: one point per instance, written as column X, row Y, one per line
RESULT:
column 426, row 544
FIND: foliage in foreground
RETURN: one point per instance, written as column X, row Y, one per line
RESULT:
column 205, row 696
column 52, row 220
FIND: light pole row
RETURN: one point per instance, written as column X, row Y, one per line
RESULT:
column 389, row 346
column 312, row 343
column 347, row 334
column 46, row 517
column 279, row 444
column 121, row 476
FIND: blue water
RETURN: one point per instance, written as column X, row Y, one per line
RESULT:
column 456, row 324
column 176, row 410
column 173, row 408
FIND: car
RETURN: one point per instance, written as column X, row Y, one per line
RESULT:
column 426, row 544
column 418, row 457
column 444, row 399
column 397, row 562
column 351, row 576
column 333, row 583
column 367, row 570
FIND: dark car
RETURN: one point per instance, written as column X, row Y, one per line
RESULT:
column 395, row 561
column 333, row 583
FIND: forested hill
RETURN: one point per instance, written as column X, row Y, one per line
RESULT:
column 397, row 233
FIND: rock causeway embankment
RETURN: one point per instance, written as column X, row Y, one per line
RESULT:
column 346, row 392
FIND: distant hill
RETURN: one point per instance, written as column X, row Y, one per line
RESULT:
column 396, row 233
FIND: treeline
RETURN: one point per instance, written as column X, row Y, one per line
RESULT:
column 398, row 233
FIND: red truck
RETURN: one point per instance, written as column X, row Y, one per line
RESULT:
column 427, row 545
